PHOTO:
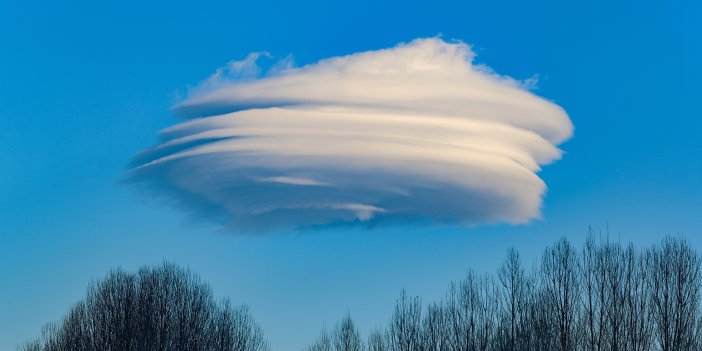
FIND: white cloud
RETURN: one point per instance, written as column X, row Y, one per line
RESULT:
column 417, row 131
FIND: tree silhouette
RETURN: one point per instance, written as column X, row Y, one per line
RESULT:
column 605, row 297
column 162, row 308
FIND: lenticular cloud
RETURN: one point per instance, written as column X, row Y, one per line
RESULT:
column 413, row 132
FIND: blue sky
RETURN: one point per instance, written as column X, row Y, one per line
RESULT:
column 84, row 86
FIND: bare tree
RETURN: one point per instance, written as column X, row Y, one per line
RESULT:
column 638, row 327
column 562, row 287
column 613, row 271
column 404, row 329
column 471, row 313
column 511, row 276
column 236, row 330
column 488, row 313
column 159, row 308
column 542, row 322
column 376, row 341
column 323, row 342
column 346, row 336
column 593, row 299
column 527, row 336
column 462, row 309
column 434, row 329
column 675, row 294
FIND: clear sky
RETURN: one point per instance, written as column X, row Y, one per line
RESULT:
column 86, row 85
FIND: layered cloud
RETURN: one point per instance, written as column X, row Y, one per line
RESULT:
column 413, row 132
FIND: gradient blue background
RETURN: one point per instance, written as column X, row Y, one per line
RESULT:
column 84, row 85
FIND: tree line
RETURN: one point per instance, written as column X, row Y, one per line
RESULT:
column 602, row 297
